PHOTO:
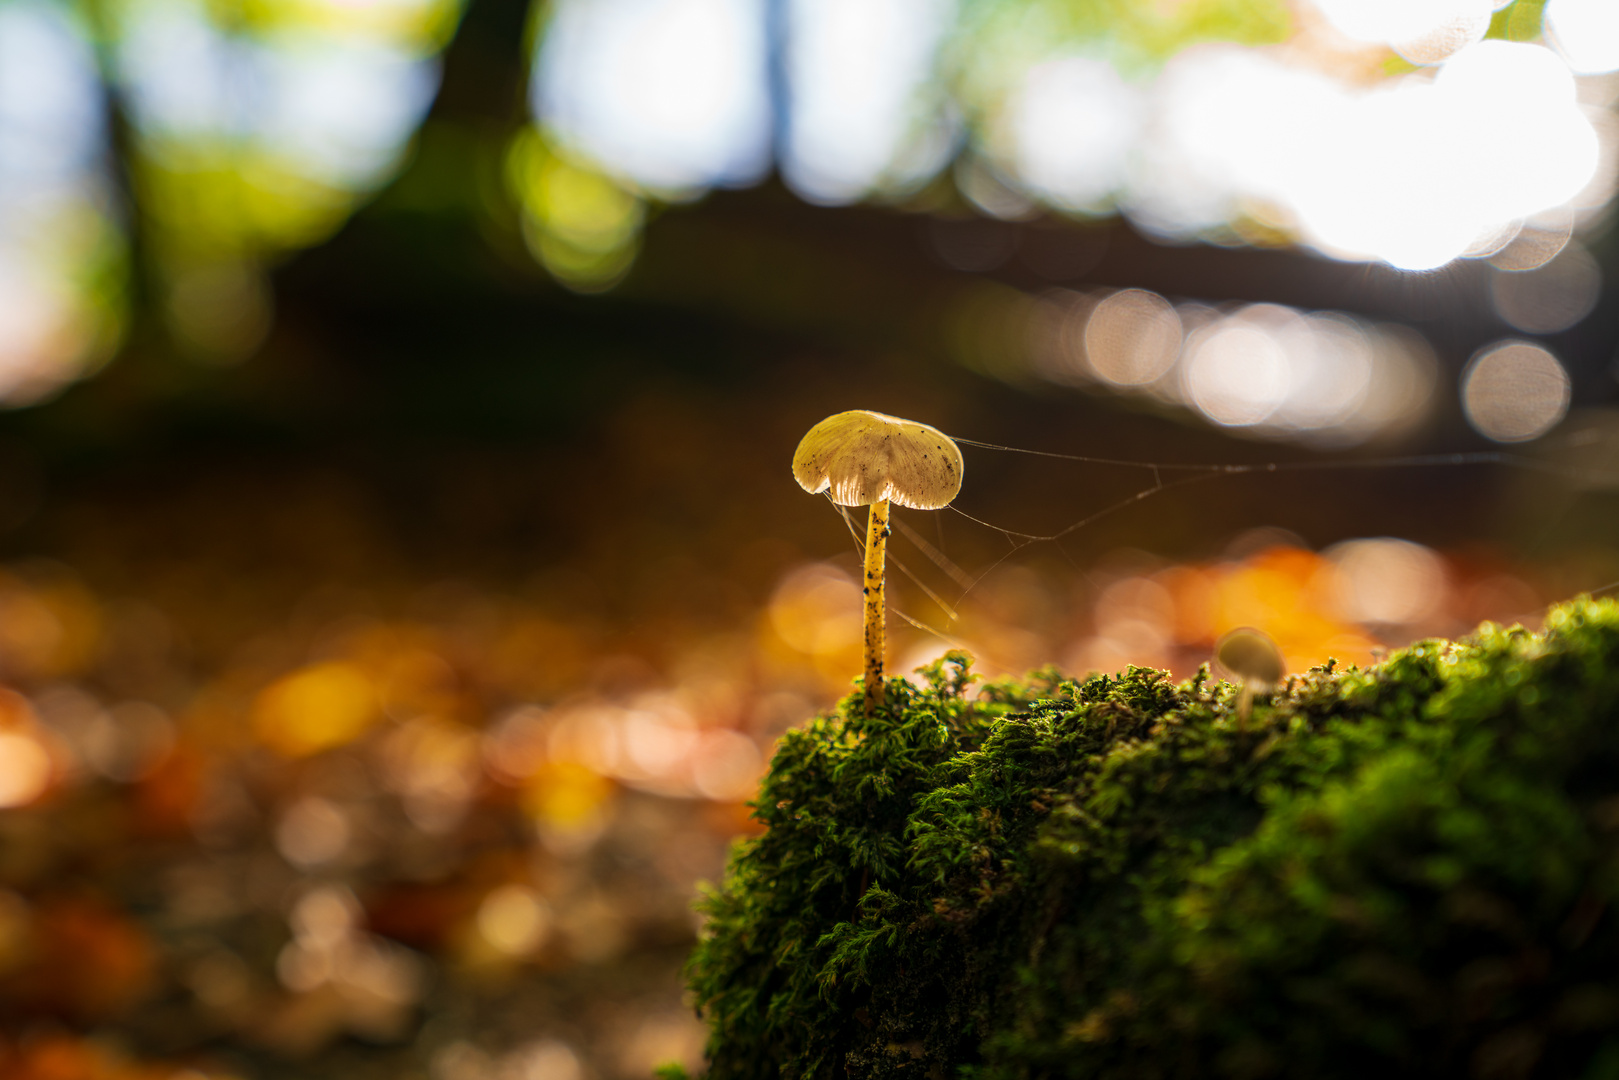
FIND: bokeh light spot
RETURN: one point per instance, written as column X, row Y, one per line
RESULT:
column 670, row 93
column 1132, row 338
column 315, row 708
column 127, row 742
column 568, row 803
column 547, row 1059
column 1585, row 32
column 1237, row 375
column 514, row 746
column 1075, row 123
column 313, row 832
column 582, row 225
column 1407, row 24
column 727, row 765
column 856, row 69
column 25, row 769
column 1514, row 391
column 434, row 767
column 816, row 609
column 1386, row 582
column 221, row 310
column 323, row 916
column 1331, row 367
column 1551, row 298
column 1535, row 243
column 514, row 919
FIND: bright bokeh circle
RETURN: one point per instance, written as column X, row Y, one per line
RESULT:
column 1514, row 391
column 1586, row 32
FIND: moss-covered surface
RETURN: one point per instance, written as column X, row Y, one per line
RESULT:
column 1406, row 870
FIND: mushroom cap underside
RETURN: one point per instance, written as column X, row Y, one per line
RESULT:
column 861, row 456
column 1251, row 654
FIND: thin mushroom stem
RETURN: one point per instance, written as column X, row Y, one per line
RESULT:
column 877, row 530
column 1245, row 705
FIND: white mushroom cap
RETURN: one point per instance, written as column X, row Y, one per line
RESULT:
column 1252, row 655
column 864, row 456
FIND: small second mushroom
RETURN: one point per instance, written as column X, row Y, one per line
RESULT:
column 868, row 458
column 1253, row 657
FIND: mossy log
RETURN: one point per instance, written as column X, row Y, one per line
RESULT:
column 1408, row 870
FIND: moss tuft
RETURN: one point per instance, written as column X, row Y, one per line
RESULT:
column 1410, row 870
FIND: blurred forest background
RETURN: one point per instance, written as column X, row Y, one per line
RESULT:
column 403, row 581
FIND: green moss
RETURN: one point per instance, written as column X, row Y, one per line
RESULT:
column 1405, row 870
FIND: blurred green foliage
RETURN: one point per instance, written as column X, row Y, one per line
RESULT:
column 994, row 42
column 1152, row 30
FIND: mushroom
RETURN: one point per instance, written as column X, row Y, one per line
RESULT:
column 1253, row 657
column 859, row 458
